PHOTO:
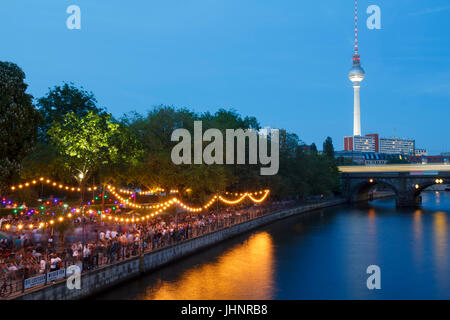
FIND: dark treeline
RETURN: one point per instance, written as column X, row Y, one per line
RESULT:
column 65, row 135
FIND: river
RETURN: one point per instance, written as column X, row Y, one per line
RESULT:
column 320, row 255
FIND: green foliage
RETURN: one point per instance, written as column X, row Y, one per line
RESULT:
column 62, row 100
column 328, row 148
column 45, row 161
column 105, row 158
column 341, row 161
column 86, row 143
column 78, row 137
column 303, row 173
column 18, row 122
column 155, row 167
column 146, row 140
column 244, row 177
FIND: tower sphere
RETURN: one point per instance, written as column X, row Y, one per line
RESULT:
column 356, row 73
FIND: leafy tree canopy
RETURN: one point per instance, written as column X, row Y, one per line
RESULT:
column 86, row 143
column 61, row 100
column 328, row 148
column 18, row 121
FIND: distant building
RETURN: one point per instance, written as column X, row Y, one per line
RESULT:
column 348, row 143
column 382, row 158
column 356, row 157
column 429, row 159
column 420, row 152
column 375, row 158
column 397, row 146
column 377, row 141
column 364, row 144
column 369, row 158
column 368, row 143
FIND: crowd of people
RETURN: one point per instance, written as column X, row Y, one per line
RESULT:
column 93, row 242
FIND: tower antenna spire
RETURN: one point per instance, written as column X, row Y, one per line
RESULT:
column 356, row 26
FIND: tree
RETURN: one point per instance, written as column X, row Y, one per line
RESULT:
column 341, row 161
column 61, row 100
column 323, row 176
column 156, row 168
column 53, row 107
column 154, row 133
column 243, row 177
column 328, row 149
column 121, row 167
column 18, row 122
column 45, row 161
column 86, row 143
column 324, row 172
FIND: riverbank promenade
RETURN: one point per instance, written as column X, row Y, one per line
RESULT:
column 121, row 260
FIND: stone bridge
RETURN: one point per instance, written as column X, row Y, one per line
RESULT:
column 406, row 181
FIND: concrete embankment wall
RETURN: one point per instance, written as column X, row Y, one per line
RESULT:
column 95, row 281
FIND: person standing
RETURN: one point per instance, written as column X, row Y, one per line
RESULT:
column 42, row 266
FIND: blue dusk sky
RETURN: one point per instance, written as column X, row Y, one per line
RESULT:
column 284, row 62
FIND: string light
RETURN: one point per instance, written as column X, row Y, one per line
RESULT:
column 260, row 199
column 151, row 191
column 146, row 193
column 160, row 207
column 49, row 182
column 123, row 200
column 126, row 191
column 233, row 201
column 169, row 203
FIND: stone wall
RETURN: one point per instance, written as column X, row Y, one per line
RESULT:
column 98, row 280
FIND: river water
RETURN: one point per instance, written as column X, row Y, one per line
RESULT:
column 320, row 255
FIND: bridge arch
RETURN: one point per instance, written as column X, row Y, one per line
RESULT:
column 419, row 188
column 361, row 190
column 407, row 187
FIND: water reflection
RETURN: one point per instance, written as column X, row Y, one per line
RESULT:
column 438, row 197
column 244, row 272
column 418, row 246
column 372, row 221
column 319, row 256
column 441, row 250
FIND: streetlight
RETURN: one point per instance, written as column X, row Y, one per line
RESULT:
column 80, row 181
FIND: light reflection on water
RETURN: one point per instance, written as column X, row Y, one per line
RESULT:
column 244, row 272
column 323, row 255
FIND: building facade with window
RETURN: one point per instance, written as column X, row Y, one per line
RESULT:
column 368, row 143
column 420, row 152
column 397, row 146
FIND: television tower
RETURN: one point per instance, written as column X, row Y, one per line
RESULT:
column 356, row 75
